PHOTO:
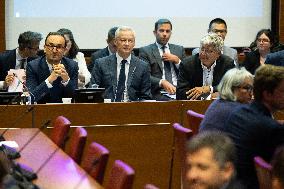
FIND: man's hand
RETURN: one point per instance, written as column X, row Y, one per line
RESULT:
column 9, row 80
column 170, row 57
column 195, row 93
column 168, row 87
column 58, row 70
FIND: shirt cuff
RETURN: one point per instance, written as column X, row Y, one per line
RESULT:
column 160, row 82
column 48, row 84
column 211, row 89
column 66, row 82
column 1, row 84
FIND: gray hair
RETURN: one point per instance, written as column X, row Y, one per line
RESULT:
column 232, row 78
column 123, row 28
column 27, row 38
column 214, row 40
column 222, row 146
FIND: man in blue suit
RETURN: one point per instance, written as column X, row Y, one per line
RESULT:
column 276, row 59
column 52, row 77
column 124, row 76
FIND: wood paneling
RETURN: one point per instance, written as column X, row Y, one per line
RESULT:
column 2, row 26
column 281, row 21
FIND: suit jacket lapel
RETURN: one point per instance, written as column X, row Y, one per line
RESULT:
column 132, row 68
column 157, row 56
column 112, row 66
column 43, row 70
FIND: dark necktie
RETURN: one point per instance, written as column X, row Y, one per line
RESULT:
column 167, row 68
column 22, row 63
column 121, row 82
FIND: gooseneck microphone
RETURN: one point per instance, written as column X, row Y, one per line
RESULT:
column 27, row 89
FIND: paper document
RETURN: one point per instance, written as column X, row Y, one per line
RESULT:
column 17, row 85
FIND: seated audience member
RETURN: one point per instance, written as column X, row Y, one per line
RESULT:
column 52, row 76
column 164, row 59
column 109, row 50
column 124, row 76
column 200, row 74
column 219, row 26
column 253, row 129
column 210, row 162
column 276, row 59
column 264, row 43
column 234, row 89
column 72, row 52
column 278, row 168
column 18, row 58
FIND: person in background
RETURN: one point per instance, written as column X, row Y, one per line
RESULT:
column 109, row 50
column 209, row 162
column 52, row 77
column 264, row 44
column 234, row 89
column 278, row 168
column 253, row 128
column 164, row 60
column 17, row 58
column 123, row 75
column 219, row 26
column 200, row 74
column 72, row 52
column 276, row 58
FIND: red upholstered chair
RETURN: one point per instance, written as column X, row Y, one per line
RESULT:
column 121, row 176
column 182, row 135
column 59, row 133
column 194, row 120
column 263, row 172
column 77, row 144
column 150, row 186
column 95, row 161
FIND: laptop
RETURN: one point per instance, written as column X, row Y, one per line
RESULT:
column 89, row 95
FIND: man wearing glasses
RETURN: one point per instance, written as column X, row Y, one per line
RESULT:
column 200, row 74
column 53, row 76
column 18, row 58
column 219, row 26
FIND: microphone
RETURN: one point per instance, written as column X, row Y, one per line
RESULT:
column 2, row 134
column 27, row 90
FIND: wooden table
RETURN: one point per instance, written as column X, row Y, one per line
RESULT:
column 54, row 168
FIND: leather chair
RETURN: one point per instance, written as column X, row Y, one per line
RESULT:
column 95, row 161
column 121, row 176
column 194, row 119
column 77, row 144
column 59, row 132
column 263, row 172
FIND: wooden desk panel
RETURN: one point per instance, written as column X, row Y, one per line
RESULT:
column 55, row 169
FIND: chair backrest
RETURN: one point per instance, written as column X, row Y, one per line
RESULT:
column 59, row 133
column 121, row 176
column 263, row 172
column 95, row 161
column 150, row 186
column 181, row 135
column 194, row 120
column 77, row 144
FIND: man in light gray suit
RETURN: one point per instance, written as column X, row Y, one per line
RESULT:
column 219, row 26
column 124, row 76
column 164, row 60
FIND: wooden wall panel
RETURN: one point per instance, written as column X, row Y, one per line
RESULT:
column 2, row 26
column 281, row 21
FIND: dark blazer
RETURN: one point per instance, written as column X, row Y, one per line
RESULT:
column 96, row 55
column 7, row 62
column 251, row 62
column 38, row 71
column 191, row 74
column 152, row 55
column 254, row 133
column 138, row 83
column 276, row 59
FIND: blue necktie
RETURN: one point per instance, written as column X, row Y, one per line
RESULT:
column 167, row 68
column 121, row 82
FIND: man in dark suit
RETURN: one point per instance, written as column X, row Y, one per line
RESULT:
column 124, row 76
column 164, row 60
column 52, row 77
column 200, row 74
column 18, row 58
column 109, row 50
column 276, row 58
column 253, row 129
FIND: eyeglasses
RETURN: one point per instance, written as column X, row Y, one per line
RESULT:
column 57, row 47
column 248, row 88
column 207, row 51
column 263, row 40
column 34, row 48
column 131, row 41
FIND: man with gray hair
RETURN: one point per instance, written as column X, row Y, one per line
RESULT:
column 124, row 76
column 209, row 162
column 200, row 74
column 17, row 58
